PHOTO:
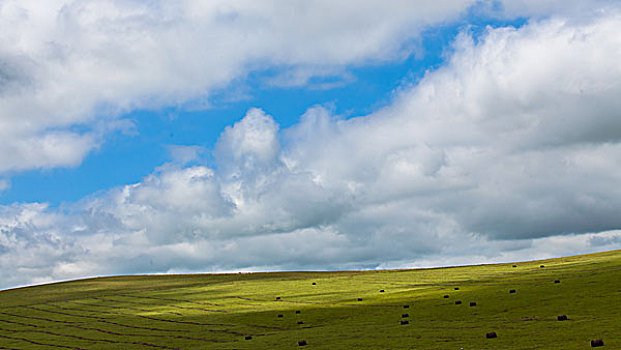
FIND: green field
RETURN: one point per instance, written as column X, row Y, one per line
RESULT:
column 219, row 311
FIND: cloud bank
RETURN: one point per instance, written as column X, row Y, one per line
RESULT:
column 511, row 149
column 68, row 68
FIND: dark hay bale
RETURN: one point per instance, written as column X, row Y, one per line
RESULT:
column 514, row 265
column 405, row 315
column 491, row 335
column 473, row 303
column 248, row 337
column 446, row 296
column 297, row 311
column 456, row 288
column 277, row 298
column 512, row 291
column 557, row 281
column 562, row 318
column 542, row 266
column 405, row 322
column 280, row 315
column 359, row 299
column 301, row 342
column 406, row 306
column 597, row 342
column 458, row 302
column 300, row 322
column 381, row 291
column 314, row 283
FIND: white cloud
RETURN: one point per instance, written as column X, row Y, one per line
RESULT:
column 250, row 144
column 4, row 185
column 66, row 63
column 577, row 10
column 185, row 154
column 511, row 150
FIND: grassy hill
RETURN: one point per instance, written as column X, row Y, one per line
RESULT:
column 220, row 311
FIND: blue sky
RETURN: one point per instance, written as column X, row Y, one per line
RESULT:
column 126, row 158
column 223, row 136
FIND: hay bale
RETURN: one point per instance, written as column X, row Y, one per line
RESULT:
column 301, row 342
column 359, row 299
column 514, row 265
column 403, row 322
column 491, row 335
column 473, row 303
column 248, row 337
column 557, row 281
column 458, row 302
column 297, row 311
column 562, row 318
column 542, row 266
column 405, row 315
column 277, row 298
column 314, row 283
column 300, row 322
column 456, row 288
column 381, row 291
column 406, row 306
column 597, row 342
column 512, row 291
column 280, row 315
column 446, row 296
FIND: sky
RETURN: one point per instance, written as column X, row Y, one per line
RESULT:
column 217, row 136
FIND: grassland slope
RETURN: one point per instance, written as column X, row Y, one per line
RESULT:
column 329, row 310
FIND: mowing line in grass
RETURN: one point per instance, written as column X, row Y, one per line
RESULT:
column 133, row 315
column 39, row 343
column 168, row 299
column 5, row 348
column 145, row 303
column 23, row 324
column 315, row 302
column 37, row 318
column 85, row 338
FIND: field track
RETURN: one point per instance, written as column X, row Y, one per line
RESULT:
column 276, row 310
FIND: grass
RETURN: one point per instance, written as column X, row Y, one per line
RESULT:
column 219, row 311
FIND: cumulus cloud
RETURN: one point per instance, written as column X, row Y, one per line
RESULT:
column 186, row 154
column 510, row 150
column 577, row 10
column 69, row 68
